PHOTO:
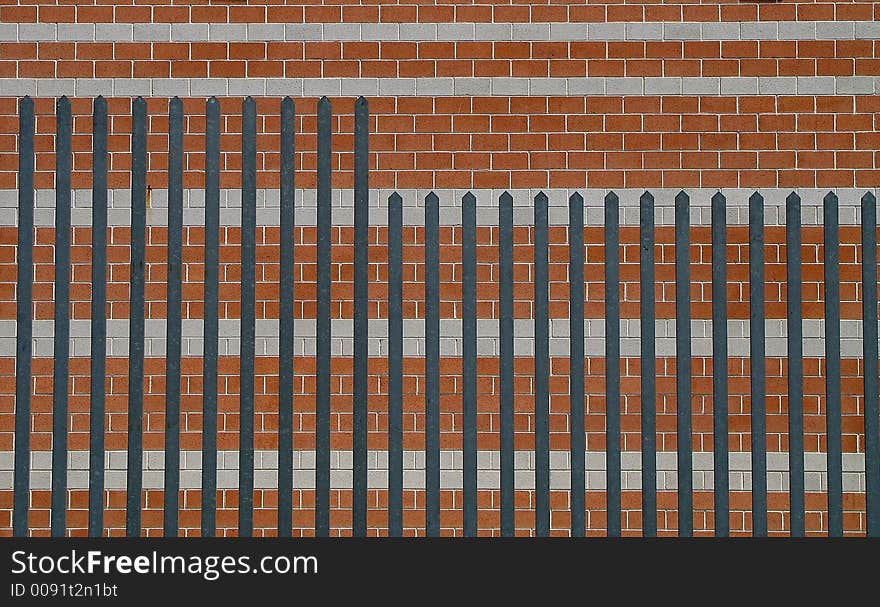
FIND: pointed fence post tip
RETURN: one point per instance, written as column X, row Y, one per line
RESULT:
column 26, row 105
column 682, row 201
column 62, row 108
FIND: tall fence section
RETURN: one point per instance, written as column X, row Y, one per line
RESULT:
column 567, row 392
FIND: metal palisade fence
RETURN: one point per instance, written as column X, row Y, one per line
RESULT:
column 432, row 390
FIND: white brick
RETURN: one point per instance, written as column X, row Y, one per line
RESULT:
column 531, row 31
column 607, row 31
column 114, row 32
column 342, row 31
column 37, row 32
column 152, row 32
column 266, row 31
column 246, row 86
column 189, row 32
column 8, row 32
column 76, row 32
column 302, row 32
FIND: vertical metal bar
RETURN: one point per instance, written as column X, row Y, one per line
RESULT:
column 97, row 393
column 795, row 364
column 505, row 238
column 542, row 369
column 870, row 341
column 432, row 365
column 469, row 361
column 758, row 365
column 212, row 279
column 576, row 363
column 24, row 318
column 395, row 365
column 136, row 318
column 649, row 365
column 832, row 366
column 61, row 364
column 683, row 364
column 322, row 350
column 173, row 325
column 719, row 365
column 286, row 311
column 361, row 311
column 612, row 361
column 248, row 309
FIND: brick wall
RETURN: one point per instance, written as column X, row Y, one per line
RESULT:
column 674, row 141
column 482, row 96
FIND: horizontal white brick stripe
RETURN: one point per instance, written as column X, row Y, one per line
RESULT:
column 444, row 87
column 296, row 32
column 488, row 466
column 488, row 341
column 268, row 201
